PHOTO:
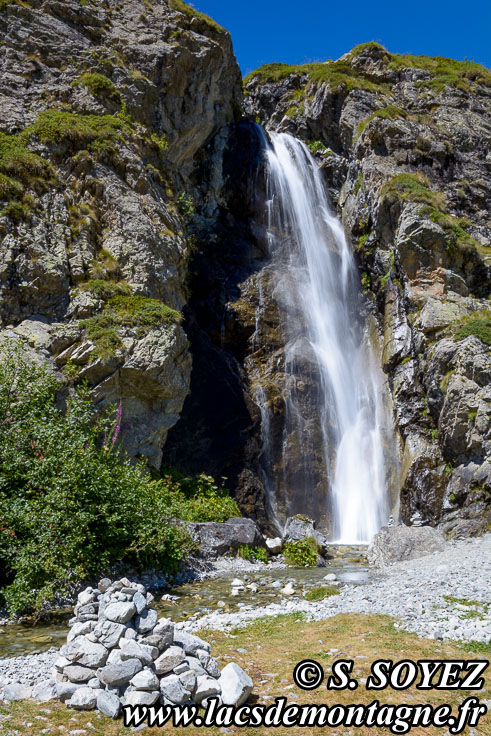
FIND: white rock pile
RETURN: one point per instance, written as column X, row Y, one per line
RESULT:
column 118, row 652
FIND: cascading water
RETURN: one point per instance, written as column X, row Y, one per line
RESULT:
column 331, row 446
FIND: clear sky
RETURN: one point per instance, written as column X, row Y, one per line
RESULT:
column 297, row 32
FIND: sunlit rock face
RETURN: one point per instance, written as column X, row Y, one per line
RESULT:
column 109, row 109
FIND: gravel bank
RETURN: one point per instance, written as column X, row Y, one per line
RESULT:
column 412, row 591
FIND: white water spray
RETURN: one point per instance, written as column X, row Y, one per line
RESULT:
column 315, row 285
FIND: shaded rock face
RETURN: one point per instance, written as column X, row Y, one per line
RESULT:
column 404, row 155
column 113, row 107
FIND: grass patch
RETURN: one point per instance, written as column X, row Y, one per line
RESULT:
column 98, row 85
column 122, row 310
column 21, row 171
column 316, row 146
column 456, row 236
column 302, row 553
column 444, row 72
column 285, row 641
column 478, row 324
column 191, row 13
column 95, row 133
column 413, row 188
column 106, row 289
column 321, row 592
column 339, row 75
column 391, row 112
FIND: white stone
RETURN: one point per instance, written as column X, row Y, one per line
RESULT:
column 109, row 704
column 172, row 689
column 206, row 686
column 44, row 691
column 145, row 680
column 172, row 657
column 235, row 684
column 84, row 698
column 274, row 545
column 120, row 612
column 140, row 697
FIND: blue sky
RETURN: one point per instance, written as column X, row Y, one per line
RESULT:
column 314, row 30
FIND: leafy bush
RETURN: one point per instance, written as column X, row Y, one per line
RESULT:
column 302, row 553
column 321, row 592
column 258, row 554
column 71, row 505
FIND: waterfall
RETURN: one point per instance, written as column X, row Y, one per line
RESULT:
column 329, row 459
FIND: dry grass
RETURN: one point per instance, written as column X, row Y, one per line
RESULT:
column 285, row 641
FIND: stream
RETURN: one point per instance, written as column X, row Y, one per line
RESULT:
column 197, row 598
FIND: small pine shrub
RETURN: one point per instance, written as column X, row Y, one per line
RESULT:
column 302, row 553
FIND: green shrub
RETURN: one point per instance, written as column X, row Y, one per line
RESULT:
column 302, row 553
column 478, row 325
column 71, row 504
column 260, row 554
column 316, row 146
column 98, row 85
column 100, row 135
column 185, row 205
column 321, row 592
column 245, row 552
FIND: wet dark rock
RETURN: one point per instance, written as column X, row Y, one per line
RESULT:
column 216, row 539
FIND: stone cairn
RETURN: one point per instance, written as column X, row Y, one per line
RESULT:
column 118, row 652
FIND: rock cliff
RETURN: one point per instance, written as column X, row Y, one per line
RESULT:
column 131, row 246
column 106, row 111
column 404, row 145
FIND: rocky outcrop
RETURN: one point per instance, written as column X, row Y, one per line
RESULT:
column 402, row 143
column 400, row 542
column 106, row 112
column 215, row 539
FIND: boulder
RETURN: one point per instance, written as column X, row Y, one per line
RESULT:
column 146, row 622
column 120, row 612
column 235, row 684
column 45, row 691
column 300, row 527
column 65, row 690
column 78, row 673
column 141, row 697
column 189, row 642
column 172, row 689
column 109, row 704
column 145, row 680
column 84, row 698
column 397, row 543
column 274, row 545
column 120, row 673
column 214, row 538
column 172, row 657
column 16, row 691
column 206, row 686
